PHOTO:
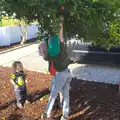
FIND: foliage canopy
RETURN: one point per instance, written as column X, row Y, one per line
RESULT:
column 93, row 20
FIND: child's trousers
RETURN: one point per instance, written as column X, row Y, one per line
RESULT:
column 60, row 92
column 21, row 95
column 61, row 84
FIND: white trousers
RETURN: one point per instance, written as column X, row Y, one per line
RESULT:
column 60, row 92
column 61, row 84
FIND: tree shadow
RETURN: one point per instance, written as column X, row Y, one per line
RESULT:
column 38, row 94
column 88, row 101
column 7, row 104
column 32, row 98
column 93, row 101
column 15, row 116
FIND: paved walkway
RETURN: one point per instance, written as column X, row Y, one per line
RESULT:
column 27, row 55
column 32, row 61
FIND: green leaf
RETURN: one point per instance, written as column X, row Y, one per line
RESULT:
column 93, row 20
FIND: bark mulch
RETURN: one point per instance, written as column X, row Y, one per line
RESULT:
column 88, row 100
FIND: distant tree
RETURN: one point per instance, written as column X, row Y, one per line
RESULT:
column 22, row 24
column 93, row 20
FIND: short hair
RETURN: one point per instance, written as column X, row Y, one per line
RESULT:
column 14, row 65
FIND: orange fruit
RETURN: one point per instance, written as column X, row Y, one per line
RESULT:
column 62, row 8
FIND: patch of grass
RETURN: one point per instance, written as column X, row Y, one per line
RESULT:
column 11, row 22
column 8, row 22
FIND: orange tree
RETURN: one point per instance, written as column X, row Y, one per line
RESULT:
column 91, row 20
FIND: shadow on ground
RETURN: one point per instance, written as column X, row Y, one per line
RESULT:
column 32, row 98
column 7, row 104
column 88, row 101
column 38, row 94
column 94, row 101
column 14, row 117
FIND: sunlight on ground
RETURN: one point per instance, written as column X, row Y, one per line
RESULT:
column 82, row 111
column 7, row 22
column 72, row 66
column 11, row 22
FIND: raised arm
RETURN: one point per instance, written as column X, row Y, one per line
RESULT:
column 13, row 83
column 61, row 32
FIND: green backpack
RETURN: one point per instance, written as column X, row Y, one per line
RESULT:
column 54, row 46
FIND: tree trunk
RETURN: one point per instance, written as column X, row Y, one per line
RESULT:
column 24, row 34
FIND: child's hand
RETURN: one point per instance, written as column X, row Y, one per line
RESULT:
column 61, row 25
column 61, row 19
column 26, row 81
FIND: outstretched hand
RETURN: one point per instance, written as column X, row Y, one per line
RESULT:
column 61, row 32
column 61, row 24
column 62, row 19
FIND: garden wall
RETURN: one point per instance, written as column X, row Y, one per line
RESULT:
column 12, row 34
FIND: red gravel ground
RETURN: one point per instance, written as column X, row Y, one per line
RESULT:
column 89, row 100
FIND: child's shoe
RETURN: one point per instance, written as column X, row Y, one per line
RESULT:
column 64, row 117
column 27, row 102
column 44, row 115
column 19, row 105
